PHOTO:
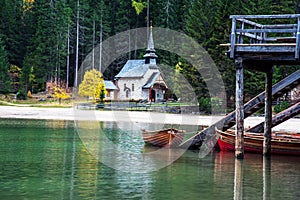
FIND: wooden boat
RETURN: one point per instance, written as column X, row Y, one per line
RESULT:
column 281, row 143
column 164, row 138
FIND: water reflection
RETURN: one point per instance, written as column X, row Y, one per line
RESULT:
column 39, row 162
column 238, row 179
column 266, row 178
column 120, row 146
column 257, row 177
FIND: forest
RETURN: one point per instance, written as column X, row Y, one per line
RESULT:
column 47, row 40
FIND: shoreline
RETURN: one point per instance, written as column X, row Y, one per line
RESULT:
column 71, row 114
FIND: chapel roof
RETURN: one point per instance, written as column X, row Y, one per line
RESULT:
column 133, row 69
column 109, row 85
column 151, row 80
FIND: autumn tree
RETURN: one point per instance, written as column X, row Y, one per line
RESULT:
column 90, row 84
column 100, row 91
column 60, row 93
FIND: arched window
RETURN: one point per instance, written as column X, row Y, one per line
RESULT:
column 132, row 89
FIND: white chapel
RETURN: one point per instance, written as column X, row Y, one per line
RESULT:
column 142, row 79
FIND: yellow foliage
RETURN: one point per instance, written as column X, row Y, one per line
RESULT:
column 29, row 95
column 27, row 5
column 178, row 67
column 101, row 90
column 60, row 93
column 90, row 83
column 138, row 6
column 28, row 1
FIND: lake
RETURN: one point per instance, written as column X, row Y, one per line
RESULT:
column 42, row 159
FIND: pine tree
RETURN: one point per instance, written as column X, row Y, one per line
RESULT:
column 36, row 34
column 13, row 30
column 27, row 77
column 4, row 78
column 283, row 7
column 43, row 53
column 198, row 26
column 63, row 20
column 48, row 51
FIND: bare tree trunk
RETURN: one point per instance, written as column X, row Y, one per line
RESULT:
column 135, row 45
column 58, row 58
column 68, row 58
column 129, row 41
column 77, row 46
column 101, row 38
column 168, row 12
column 93, row 51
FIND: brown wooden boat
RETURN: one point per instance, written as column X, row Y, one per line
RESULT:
column 164, row 138
column 281, row 143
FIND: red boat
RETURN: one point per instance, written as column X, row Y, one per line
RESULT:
column 164, row 138
column 281, row 143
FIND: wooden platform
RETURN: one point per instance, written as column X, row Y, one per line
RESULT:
column 259, row 42
column 272, row 43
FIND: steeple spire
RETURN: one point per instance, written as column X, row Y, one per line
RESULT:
column 150, row 41
column 150, row 55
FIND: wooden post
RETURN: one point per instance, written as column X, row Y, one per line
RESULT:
column 240, row 36
column 238, row 180
column 239, row 129
column 268, row 114
column 232, row 38
column 297, row 39
column 266, row 178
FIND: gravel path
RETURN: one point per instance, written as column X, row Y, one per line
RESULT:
column 12, row 112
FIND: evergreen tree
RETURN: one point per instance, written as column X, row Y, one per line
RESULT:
column 43, row 53
column 169, row 14
column 40, row 36
column 198, row 26
column 27, row 77
column 258, row 7
column 4, row 78
column 48, row 50
column 13, row 30
column 297, row 10
column 219, row 35
column 63, row 20
column 283, row 7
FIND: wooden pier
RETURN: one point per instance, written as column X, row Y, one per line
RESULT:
column 258, row 42
column 259, row 46
column 250, row 107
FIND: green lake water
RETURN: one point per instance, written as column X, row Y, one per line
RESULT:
column 47, row 160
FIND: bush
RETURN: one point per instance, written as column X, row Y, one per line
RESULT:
column 5, row 88
column 21, row 95
column 214, row 104
column 281, row 106
column 205, row 105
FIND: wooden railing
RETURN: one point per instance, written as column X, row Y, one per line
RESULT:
column 249, row 108
column 247, row 31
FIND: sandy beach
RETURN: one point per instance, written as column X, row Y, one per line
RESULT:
column 13, row 112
